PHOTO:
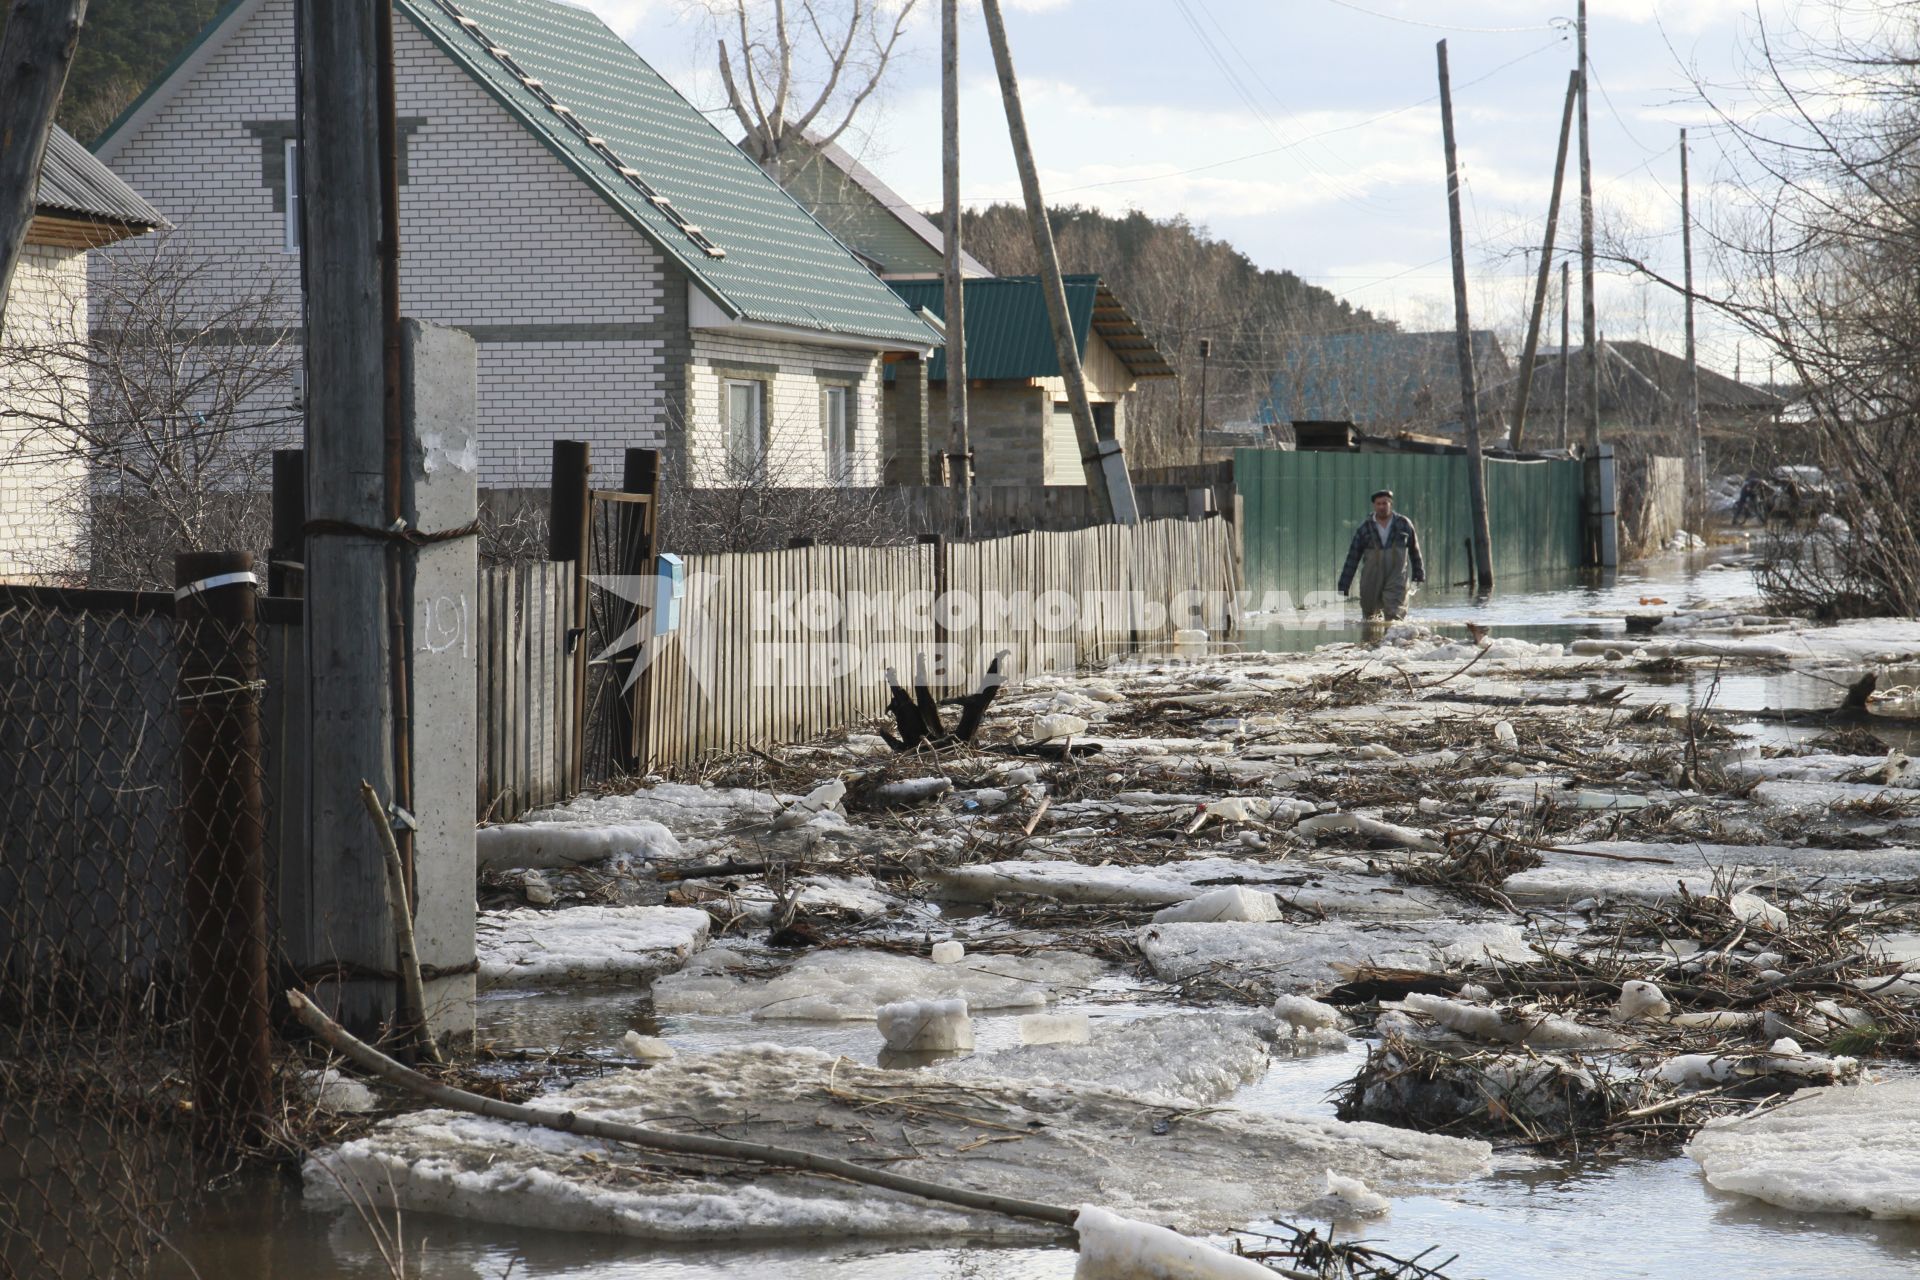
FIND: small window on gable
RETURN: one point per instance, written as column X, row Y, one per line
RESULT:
column 290, row 230
column 745, row 427
column 836, row 423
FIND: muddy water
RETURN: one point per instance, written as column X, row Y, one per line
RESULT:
column 1617, row 1218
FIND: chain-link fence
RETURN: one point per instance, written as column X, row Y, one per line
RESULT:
column 134, row 1053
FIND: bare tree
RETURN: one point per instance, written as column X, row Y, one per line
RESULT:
column 1821, row 252
column 800, row 69
column 149, row 411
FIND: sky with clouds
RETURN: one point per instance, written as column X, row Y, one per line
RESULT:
column 1307, row 132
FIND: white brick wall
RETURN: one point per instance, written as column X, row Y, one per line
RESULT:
column 796, row 440
column 41, row 485
column 495, row 232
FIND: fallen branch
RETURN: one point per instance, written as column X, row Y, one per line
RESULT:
column 710, row 871
column 379, row 1064
column 1571, row 853
column 413, row 994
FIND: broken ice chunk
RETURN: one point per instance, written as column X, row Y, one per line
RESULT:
column 925, row 1026
column 1116, row 1248
column 1237, row 904
column 1503, row 731
column 1640, row 999
column 1304, row 1013
column 1055, row 1028
column 646, row 1048
column 1352, row 1198
column 536, row 890
column 1049, row 728
column 948, row 952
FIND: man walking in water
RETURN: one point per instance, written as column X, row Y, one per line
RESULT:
column 1386, row 551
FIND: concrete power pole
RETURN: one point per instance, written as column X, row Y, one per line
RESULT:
column 1463, row 342
column 348, row 650
column 1590, row 389
column 1104, row 461
column 1697, row 461
column 36, row 51
column 959, row 446
column 1546, row 268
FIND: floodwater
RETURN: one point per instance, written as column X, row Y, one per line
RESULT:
column 1653, row 1218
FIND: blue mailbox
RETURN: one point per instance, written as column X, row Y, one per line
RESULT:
column 669, row 586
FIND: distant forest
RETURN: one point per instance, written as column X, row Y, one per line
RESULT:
column 124, row 46
column 1182, row 284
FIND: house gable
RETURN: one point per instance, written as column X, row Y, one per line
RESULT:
column 868, row 216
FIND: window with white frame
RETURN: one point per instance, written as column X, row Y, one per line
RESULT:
column 836, row 422
column 745, row 426
column 290, row 230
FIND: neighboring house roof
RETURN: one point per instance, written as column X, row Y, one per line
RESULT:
column 1379, row 376
column 1010, row 336
column 870, row 217
column 74, row 184
column 1639, row 381
column 622, row 129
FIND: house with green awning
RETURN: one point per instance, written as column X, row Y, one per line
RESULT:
column 1019, row 426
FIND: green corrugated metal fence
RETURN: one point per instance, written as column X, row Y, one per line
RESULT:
column 1299, row 511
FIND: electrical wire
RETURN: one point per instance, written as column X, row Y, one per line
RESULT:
column 1551, row 24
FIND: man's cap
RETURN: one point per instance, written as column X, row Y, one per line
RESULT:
column 1379, row 494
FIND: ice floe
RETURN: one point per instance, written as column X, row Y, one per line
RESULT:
column 1197, row 1172
column 1842, row 1149
column 1294, row 957
column 524, row 945
column 830, row 986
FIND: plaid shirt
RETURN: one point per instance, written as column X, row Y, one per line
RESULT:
column 1400, row 533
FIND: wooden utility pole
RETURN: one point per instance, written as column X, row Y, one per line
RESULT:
column 1546, row 267
column 1697, row 461
column 1103, row 460
column 349, row 685
column 36, row 51
column 1590, row 379
column 1566, row 296
column 1463, row 343
column 959, row 445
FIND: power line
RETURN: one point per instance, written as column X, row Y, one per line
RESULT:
column 1552, row 24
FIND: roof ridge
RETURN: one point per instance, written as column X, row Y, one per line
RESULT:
column 628, row 174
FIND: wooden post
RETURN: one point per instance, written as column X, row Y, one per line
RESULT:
column 1104, row 461
column 1463, row 343
column 348, row 650
column 1566, row 354
column 1546, row 268
column 1697, row 462
column 959, row 442
column 639, row 547
column 36, row 50
column 286, row 561
column 570, row 538
column 223, row 840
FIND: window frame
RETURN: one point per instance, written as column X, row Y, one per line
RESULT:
column 839, row 453
column 738, row 468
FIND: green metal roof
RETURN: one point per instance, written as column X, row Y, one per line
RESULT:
column 1009, row 335
column 751, row 246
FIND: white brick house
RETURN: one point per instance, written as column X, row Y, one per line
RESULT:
column 630, row 277
column 78, row 207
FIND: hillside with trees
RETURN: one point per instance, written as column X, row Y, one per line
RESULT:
column 124, row 46
column 1182, row 284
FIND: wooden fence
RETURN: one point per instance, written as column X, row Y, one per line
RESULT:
column 526, row 652
column 784, row 646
